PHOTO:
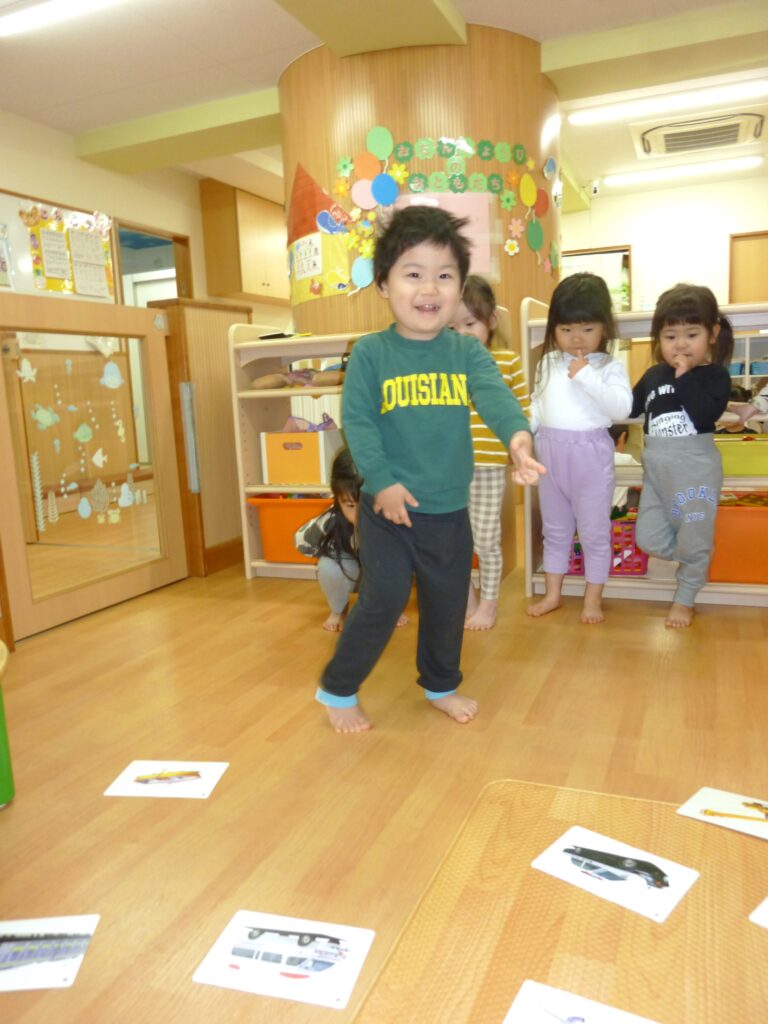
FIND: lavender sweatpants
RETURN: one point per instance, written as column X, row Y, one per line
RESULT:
column 575, row 496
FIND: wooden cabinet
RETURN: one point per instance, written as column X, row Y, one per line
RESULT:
column 659, row 583
column 245, row 244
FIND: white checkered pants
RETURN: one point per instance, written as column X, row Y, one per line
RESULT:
column 485, row 496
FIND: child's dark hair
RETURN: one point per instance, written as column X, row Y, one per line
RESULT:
column 580, row 299
column 416, row 224
column 479, row 299
column 692, row 304
column 345, row 483
column 616, row 430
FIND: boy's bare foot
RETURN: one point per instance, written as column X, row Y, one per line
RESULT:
column 679, row 616
column 472, row 602
column 484, row 616
column 460, row 709
column 335, row 622
column 546, row 604
column 351, row 719
column 402, row 621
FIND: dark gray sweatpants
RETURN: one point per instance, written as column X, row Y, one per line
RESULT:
column 682, row 477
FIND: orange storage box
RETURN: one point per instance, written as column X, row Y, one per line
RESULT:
column 299, row 458
column 741, row 545
column 279, row 519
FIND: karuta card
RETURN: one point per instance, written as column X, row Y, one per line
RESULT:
column 193, row 780
column 43, row 952
column 540, row 1004
column 643, row 882
column 286, row 957
column 760, row 914
column 731, row 810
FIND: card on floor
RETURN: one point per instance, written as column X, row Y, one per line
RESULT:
column 760, row 914
column 191, row 779
column 43, row 952
column 286, row 957
column 731, row 810
column 540, row 1004
column 640, row 881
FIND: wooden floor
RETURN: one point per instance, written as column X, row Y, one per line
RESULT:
column 307, row 823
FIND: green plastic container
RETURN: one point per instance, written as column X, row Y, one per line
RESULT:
column 7, row 789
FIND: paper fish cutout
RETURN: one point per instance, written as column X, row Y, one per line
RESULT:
column 26, row 372
column 99, row 458
column 83, row 434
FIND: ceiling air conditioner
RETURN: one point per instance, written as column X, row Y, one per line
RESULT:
column 704, row 133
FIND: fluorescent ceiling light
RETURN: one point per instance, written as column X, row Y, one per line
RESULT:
column 27, row 18
column 744, row 163
column 736, row 92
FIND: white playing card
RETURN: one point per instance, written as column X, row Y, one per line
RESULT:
column 193, row 780
column 643, row 882
column 730, row 810
column 540, row 1004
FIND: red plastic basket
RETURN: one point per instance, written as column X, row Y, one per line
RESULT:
column 627, row 558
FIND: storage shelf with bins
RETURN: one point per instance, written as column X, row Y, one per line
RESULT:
column 659, row 584
column 257, row 410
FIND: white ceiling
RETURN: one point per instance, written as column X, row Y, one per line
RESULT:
column 144, row 57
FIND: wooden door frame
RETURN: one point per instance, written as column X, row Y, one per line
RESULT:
column 736, row 237
column 182, row 258
column 61, row 316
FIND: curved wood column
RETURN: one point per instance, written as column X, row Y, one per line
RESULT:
column 491, row 88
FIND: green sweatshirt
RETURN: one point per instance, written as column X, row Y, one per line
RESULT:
column 405, row 413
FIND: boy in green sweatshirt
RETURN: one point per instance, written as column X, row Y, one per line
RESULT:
column 405, row 411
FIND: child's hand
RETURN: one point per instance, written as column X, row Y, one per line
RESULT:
column 391, row 503
column 578, row 363
column 681, row 364
column 527, row 470
column 744, row 412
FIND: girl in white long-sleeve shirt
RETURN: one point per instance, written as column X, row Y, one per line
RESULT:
column 579, row 391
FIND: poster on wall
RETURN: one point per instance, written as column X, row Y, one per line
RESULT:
column 318, row 257
column 69, row 252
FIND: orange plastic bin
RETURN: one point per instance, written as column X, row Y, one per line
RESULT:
column 741, row 545
column 279, row 519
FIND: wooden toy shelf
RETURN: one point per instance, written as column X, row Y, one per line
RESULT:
column 257, row 410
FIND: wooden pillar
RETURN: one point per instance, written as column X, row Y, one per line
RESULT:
column 491, row 89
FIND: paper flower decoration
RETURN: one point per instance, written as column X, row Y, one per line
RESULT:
column 417, row 183
column 344, row 167
column 530, row 163
column 503, row 152
column 458, row 183
column 365, row 227
column 403, row 151
column 478, row 182
column 352, row 240
column 495, row 184
column 445, row 148
column 512, row 179
column 341, row 188
column 456, row 164
column 516, row 228
column 425, row 148
column 355, row 213
column 547, row 265
column 485, row 149
column 399, row 172
column 511, row 247
column 508, row 200
column 367, row 245
column 519, row 154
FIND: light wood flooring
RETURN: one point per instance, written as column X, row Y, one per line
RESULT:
column 307, row 823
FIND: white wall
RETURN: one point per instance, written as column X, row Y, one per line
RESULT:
column 676, row 234
column 40, row 162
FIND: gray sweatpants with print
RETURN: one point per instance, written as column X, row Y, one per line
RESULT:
column 682, row 477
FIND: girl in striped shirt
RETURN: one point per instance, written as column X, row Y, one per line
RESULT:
column 478, row 316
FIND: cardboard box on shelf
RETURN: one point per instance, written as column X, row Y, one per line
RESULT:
column 294, row 459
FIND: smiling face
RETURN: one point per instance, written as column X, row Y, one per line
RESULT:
column 579, row 338
column 692, row 344
column 423, row 289
column 465, row 322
